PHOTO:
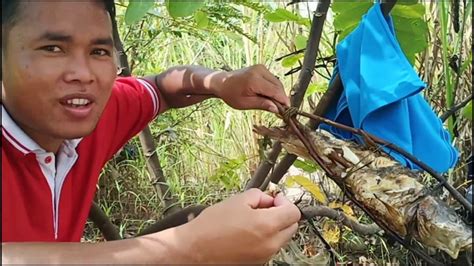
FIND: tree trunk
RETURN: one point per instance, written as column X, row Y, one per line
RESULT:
column 96, row 215
column 298, row 89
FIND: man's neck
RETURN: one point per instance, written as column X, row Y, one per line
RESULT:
column 48, row 143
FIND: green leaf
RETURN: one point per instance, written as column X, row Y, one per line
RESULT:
column 281, row 15
column 300, row 42
column 291, row 60
column 348, row 15
column 408, row 11
column 178, row 8
column 227, row 172
column 411, row 34
column 136, row 10
column 315, row 88
column 306, row 166
column 304, row 22
column 408, row 18
column 234, row 36
column 467, row 111
column 201, row 19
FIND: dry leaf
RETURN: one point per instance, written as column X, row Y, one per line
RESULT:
column 331, row 232
column 344, row 207
column 307, row 184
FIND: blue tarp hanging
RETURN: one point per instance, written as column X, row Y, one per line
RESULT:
column 382, row 95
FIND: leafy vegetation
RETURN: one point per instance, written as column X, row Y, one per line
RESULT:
column 209, row 151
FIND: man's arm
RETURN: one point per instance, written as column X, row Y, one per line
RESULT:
column 247, row 88
column 160, row 247
column 247, row 228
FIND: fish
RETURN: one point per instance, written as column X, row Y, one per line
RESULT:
column 392, row 193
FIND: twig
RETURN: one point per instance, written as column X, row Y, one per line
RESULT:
column 325, row 243
column 328, row 99
column 455, row 108
column 292, row 71
column 299, row 88
column 290, row 54
column 103, row 223
column 176, row 219
column 363, row 229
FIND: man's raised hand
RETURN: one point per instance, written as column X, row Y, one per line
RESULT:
column 251, row 88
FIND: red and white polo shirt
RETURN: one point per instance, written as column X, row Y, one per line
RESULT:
column 47, row 197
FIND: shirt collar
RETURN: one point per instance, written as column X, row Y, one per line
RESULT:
column 20, row 140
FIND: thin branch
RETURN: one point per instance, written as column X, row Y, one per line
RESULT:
column 106, row 227
column 176, row 219
column 329, row 98
column 265, row 167
column 299, row 88
column 311, row 52
column 292, row 53
column 363, row 229
column 455, row 108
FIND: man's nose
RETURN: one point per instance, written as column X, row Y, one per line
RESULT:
column 79, row 69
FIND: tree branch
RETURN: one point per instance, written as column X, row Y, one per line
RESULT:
column 455, row 108
column 310, row 212
column 106, row 227
column 299, row 89
column 175, row 219
column 330, row 98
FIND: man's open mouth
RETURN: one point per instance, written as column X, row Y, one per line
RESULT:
column 77, row 102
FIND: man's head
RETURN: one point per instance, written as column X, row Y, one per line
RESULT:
column 58, row 66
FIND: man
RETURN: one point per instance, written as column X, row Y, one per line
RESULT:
column 64, row 114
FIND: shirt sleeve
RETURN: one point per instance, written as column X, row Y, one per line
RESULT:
column 132, row 105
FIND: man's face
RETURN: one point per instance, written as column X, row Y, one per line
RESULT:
column 58, row 68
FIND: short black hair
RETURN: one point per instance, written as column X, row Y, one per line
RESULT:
column 10, row 11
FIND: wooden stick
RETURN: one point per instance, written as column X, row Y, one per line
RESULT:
column 363, row 229
column 298, row 89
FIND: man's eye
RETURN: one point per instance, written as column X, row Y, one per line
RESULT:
column 101, row 52
column 51, row 48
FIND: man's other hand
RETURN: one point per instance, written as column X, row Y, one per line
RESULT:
column 246, row 228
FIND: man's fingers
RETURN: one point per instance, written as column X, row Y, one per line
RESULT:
column 284, row 215
column 258, row 102
column 272, row 91
column 266, row 74
column 285, row 235
column 263, row 70
column 281, row 200
column 256, row 198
